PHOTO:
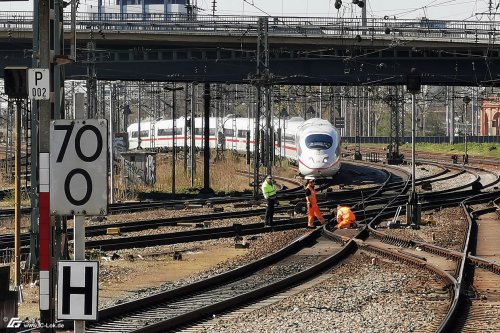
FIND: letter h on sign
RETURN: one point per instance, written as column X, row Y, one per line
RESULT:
column 77, row 290
column 68, row 290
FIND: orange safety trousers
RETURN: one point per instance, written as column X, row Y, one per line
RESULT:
column 313, row 211
column 312, row 207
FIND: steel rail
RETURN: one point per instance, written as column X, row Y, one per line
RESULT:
column 141, row 241
column 238, row 298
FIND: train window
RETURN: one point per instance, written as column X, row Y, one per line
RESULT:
column 163, row 131
column 289, row 138
column 242, row 133
column 319, row 141
column 228, row 132
column 200, row 131
column 144, row 134
column 168, row 131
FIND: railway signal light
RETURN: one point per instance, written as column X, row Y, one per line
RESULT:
column 338, row 4
column 126, row 110
column 16, row 82
column 413, row 82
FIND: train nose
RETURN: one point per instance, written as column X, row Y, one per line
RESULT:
column 319, row 159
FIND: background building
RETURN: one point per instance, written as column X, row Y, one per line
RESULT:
column 140, row 6
column 490, row 116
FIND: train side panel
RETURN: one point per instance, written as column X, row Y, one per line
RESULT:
column 313, row 144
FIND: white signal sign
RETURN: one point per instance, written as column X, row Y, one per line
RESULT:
column 38, row 83
column 339, row 122
column 77, row 290
column 78, row 167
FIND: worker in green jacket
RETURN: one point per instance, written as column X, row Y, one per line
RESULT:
column 269, row 193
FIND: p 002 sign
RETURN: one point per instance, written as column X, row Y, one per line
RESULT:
column 78, row 167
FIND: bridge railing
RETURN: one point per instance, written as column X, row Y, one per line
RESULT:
column 381, row 28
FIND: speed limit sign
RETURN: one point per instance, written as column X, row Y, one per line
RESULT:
column 78, row 167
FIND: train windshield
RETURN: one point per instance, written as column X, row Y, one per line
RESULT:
column 319, row 141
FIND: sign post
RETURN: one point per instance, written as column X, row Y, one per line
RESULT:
column 78, row 186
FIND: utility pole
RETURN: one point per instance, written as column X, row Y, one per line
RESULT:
column 451, row 111
column 192, row 150
column 466, row 104
column 357, row 122
column 413, row 207
column 189, row 9
column 174, row 158
column 17, row 208
column 91, row 79
column 185, row 134
column 206, row 146
column 15, row 85
column 363, row 16
column 261, row 80
column 46, row 24
column 393, row 156
column 139, row 98
column 112, row 128
column 214, row 5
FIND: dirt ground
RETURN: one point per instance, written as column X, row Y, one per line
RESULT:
column 121, row 278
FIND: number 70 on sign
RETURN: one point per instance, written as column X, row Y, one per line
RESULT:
column 78, row 167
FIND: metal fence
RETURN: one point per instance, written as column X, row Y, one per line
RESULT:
column 423, row 139
column 374, row 28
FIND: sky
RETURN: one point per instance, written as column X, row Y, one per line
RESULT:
column 400, row 9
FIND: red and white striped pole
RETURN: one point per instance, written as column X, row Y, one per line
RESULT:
column 45, row 234
column 46, row 28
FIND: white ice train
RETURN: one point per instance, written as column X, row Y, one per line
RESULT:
column 313, row 144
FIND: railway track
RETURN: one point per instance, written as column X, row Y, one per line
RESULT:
column 447, row 264
column 275, row 272
column 479, row 308
column 363, row 199
column 347, row 242
column 293, row 196
column 450, row 264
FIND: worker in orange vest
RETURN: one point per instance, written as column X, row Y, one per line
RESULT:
column 312, row 205
column 345, row 217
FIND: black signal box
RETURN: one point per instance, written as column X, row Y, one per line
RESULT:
column 15, row 82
